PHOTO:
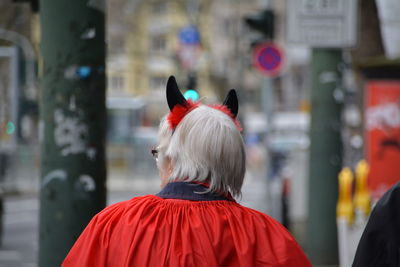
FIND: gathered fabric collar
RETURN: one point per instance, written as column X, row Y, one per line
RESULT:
column 190, row 191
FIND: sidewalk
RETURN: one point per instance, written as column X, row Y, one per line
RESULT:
column 21, row 222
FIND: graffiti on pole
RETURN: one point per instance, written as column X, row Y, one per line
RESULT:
column 70, row 134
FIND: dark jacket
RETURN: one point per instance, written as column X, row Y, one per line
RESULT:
column 380, row 241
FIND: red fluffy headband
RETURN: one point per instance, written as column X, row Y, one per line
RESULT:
column 178, row 112
column 179, row 106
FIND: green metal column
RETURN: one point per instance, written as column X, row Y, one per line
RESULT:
column 73, row 123
column 325, row 156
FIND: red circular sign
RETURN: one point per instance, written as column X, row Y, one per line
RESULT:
column 268, row 59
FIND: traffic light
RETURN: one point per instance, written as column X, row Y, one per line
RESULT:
column 191, row 92
column 262, row 22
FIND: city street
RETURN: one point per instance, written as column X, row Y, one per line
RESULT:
column 21, row 224
column 315, row 99
column 19, row 246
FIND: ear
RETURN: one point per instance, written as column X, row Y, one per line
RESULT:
column 231, row 102
column 174, row 95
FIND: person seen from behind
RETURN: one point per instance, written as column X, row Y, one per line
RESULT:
column 194, row 220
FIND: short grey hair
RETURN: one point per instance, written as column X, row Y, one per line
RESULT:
column 206, row 146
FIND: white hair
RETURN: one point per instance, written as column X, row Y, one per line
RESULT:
column 206, row 147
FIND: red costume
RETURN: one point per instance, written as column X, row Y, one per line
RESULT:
column 185, row 225
column 180, row 227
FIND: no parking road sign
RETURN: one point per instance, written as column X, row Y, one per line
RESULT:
column 268, row 59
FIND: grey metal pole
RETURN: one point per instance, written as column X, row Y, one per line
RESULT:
column 325, row 156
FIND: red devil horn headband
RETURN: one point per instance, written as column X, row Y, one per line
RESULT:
column 179, row 106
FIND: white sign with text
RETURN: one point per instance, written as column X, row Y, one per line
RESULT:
column 322, row 23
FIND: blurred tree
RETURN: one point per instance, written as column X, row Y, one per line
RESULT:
column 33, row 3
column 369, row 47
column 370, row 43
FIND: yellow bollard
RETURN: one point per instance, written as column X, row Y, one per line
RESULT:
column 362, row 198
column 345, row 207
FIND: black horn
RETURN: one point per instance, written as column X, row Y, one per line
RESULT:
column 174, row 95
column 231, row 102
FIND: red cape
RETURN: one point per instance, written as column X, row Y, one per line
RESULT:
column 152, row 231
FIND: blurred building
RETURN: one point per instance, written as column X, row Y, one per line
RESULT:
column 147, row 43
column 144, row 49
column 150, row 40
column 18, row 96
column 17, row 70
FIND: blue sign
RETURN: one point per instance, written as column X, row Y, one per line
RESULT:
column 189, row 35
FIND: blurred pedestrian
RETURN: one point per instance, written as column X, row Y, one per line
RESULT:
column 194, row 220
column 380, row 242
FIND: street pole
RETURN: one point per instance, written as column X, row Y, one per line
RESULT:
column 325, row 156
column 73, row 123
column 267, row 108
